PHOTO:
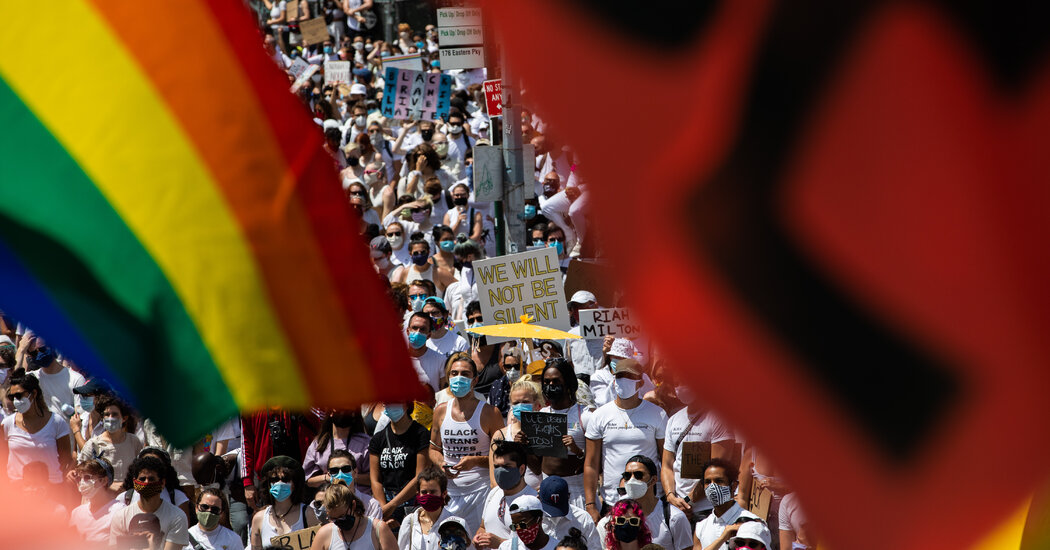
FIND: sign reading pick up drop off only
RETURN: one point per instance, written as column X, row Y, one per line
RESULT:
column 529, row 283
column 460, row 28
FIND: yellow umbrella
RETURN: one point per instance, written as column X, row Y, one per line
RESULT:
column 525, row 331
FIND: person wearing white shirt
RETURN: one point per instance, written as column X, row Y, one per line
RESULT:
column 618, row 430
column 508, row 463
column 559, row 385
column 441, row 339
column 429, row 364
column 56, row 380
column 691, row 425
column 616, row 350
column 584, row 354
column 207, row 534
column 419, row 530
column 720, row 482
column 668, row 526
column 560, row 516
column 526, row 516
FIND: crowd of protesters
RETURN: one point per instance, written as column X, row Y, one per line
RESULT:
column 452, row 472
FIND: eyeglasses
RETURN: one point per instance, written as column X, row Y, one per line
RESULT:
column 638, row 474
column 394, row 234
column 624, row 520
column 206, row 508
column 348, row 469
column 522, row 524
column 414, row 296
column 511, row 365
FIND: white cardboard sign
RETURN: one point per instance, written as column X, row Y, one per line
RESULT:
column 613, row 321
column 488, row 173
column 460, row 36
column 336, row 72
column 458, row 17
column 528, row 283
column 468, row 57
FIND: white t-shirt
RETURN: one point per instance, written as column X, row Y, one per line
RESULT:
column 625, row 433
column 94, row 526
column 791, row 516
column 58, row 388
column 496, row 513
column 576, row 420
column 679, row 535
column 585, row 355
column 430, row 367
column 578, row 518
column 411, row 536
column 42, row 446
column 172, row 523
column 220, row 538
column 707, row 428
column 120, row 456
column 708, row 530
column 448, row 344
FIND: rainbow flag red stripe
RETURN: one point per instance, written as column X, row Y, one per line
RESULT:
column 175, row 221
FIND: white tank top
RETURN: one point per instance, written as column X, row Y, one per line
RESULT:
column 414, row 275
column 364, row 542
column 269, row 531
column 460, row 439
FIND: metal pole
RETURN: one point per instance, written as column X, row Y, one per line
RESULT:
column 514, row 183
column 388, row 22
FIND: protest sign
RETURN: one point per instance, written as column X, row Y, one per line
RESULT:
column 305, row 77
column 760, row 501
column 455, row 17
column 291, row 11
column 314, row 31
column 488, row 173
column 614, row 321
column 694, row 455
column 415, row 95
column 545, row 432
column 460, row 36
column 527, row 283
column 296, row 540
column 410, row 61
column 298, row 66
column 469, row 57
column 336, row 72
column 493, row 97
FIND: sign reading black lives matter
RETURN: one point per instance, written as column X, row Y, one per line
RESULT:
column 545, row 432
column 528, row 283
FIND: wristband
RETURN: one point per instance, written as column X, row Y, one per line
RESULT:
column 590, row 504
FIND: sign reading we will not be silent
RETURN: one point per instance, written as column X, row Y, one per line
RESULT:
column 529, row 283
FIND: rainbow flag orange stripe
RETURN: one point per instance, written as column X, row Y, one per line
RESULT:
column 174, row 220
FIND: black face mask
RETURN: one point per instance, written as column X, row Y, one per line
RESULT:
column 427, row 134
column 353, row 161
column 553, row 392
column 626, row 533
column 343, row 420
column 346, row 523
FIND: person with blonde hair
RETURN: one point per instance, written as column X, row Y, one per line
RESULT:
column 349, row 528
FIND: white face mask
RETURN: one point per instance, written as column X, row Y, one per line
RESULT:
column 112, row 424
column 368, row 47
column 395, row 242
column 359, row 121
column 635, row 488
column 626, row 388
column 455, row 129
column 382, row 263
column 718, row 494
column 359, row 46
column 88, row 487
column 22, row 405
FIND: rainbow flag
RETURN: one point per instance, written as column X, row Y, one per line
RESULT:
column 170, row 220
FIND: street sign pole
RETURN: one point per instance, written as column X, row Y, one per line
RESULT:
column 514, row 186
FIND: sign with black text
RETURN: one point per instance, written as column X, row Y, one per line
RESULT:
column 602, row 322
column 527, row 283
column 545, row 432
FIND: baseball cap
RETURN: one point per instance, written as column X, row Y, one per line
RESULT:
column 453, row 520
column 5, row 340
column 629, row 365
column 358, row 88
column 525, row 503
column 91, row 387
column 436, row 301
column 380, row 244
column 755, row 530
column 554, row 496
column 330, row 123
column 362, row 72
column 582, row 297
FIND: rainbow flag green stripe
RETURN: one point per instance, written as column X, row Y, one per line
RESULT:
column 183, row 220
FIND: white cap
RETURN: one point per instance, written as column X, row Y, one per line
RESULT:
column 454, row 519
column 358, row 88
column 582, row 297
column 622, row 347
column 330, row 123
column 6, row 340
column 526, row 503
column 756, row 530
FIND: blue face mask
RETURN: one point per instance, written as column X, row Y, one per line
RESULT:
column 537, row 242
column 394, row 412
column 516, row 409
column 559, row 246
column 281, row 491
column 459, row 385
column 417, row 303
column 327, row 49
column 447, row 246
column 530, row 211
column 294, row 54
column 87, row 403
column 435, row 63
column 612, row 365
column 420, row 45
column 348, row 478
column 417, row 339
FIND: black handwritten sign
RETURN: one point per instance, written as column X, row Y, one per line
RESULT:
column 296, row 540
column 545, row 432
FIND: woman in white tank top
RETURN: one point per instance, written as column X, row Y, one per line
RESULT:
column 349, row 528
column 459, row 440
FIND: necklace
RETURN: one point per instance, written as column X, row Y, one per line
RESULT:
column 286, row 512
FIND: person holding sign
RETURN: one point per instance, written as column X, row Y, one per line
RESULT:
column 349, row 528
column 693, row 436
column 668, row 525
column 281, row 483
column 618, row 430
column 459, row 439
column 559, row 388
column 525, row 395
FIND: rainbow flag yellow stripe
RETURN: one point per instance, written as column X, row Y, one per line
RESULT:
column 167, row 168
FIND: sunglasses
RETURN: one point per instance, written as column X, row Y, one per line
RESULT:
column 637, row 475
column 206, row 508
column 624, row 520
column 348, row 469
column 522, row 524
column 147, row 479
column 394, row 234
column 748, row 543
column 284, row 478
column 474, row 319
column 18, row 395
column 556, row 240
column 357, row 193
